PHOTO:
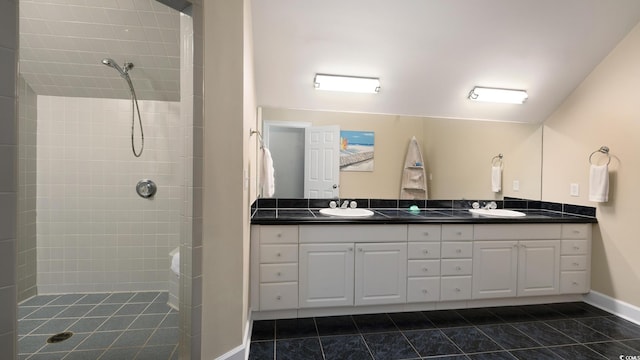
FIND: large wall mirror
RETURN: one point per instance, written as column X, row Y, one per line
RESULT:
column 458, row 154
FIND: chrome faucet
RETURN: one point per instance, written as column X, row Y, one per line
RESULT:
column 345, row 204
column 491, row 205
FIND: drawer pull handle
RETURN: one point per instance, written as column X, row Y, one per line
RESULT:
column 278, row 297
column 576, row 248
column 576, row 231
column 576, row 264
column 458, row 290
column 278, row 254
column 424, row 291
column 279, row 235
column 360, row 249
column 279, row 273
column 425, row 269
column 458, row 251
column 575, row 283
column 350, row 249
column 458, row 268
column 426, row 233
column 426, row 251
column 459, row 233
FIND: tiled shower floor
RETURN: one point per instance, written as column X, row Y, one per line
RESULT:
column 555, row 331
column 114, row 326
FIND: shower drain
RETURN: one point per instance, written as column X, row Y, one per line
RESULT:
column 59, row 337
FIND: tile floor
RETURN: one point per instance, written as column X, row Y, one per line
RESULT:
column 554, row 331
column 113, row 326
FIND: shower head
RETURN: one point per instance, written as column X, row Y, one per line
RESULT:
column 123, row 72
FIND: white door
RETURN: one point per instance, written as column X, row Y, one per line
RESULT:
column 326, row 275
column 381, row 274
column 539, row 267
column 495, row 269
column 322, row 161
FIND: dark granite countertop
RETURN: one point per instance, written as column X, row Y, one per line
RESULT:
column 299, row 216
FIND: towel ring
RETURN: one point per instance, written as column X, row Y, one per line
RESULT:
column 498, row 158
column 603, row 150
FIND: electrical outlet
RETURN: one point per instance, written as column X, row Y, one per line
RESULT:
column 516, row 185
column 574, row 189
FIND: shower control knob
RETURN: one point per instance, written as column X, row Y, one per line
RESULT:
column 146, row 188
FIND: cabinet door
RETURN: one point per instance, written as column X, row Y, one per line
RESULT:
column 326, row 275
column 495, row 269
column 539, row 267
column 381, row 274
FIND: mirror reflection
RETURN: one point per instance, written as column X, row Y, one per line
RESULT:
column 458, row 155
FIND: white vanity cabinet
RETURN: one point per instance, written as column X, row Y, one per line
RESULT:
column 507, row 265
column 275, row 252
column 456, row 262
column 309, row 269
column 575, row 259
column 347, row 265
column 423, row 264
column 326, row 275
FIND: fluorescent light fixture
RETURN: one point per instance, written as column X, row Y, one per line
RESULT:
column 346, row 83
column 507, row 96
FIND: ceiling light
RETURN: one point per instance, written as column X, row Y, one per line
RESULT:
column 498, row 95
column 346, row 83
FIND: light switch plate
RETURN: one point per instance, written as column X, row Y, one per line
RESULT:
column 516, row 185
column 574, row 189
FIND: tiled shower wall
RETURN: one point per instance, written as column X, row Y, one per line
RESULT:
column 94, row 233
column 27, row 137
column 8, row 174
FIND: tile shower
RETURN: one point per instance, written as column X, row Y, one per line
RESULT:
column 94, row 234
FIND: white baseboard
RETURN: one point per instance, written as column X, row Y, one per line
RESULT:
column 617, row 307
column 240, row 352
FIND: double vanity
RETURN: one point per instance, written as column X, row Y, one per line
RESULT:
column 304, row 263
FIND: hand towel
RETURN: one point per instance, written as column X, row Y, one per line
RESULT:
column 599, row 183
column 267, row 177
column 496, row 178
column 175, row 263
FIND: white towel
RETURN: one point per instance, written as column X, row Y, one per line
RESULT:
column 496, row 178
column 175, row 263
column 267, row 177
column 599, row 183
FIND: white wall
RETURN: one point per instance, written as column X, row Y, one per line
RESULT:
column 603, row 110
column 8, row 175
column 94, row 233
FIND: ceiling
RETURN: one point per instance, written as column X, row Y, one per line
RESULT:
column 62, row 44
column 428, row 54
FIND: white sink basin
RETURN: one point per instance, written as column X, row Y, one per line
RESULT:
column 348, row 212
column 497, row 212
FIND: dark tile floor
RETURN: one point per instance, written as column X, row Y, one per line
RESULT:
column 553, row 331
column 113, row 326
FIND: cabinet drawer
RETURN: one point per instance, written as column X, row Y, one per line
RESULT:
column 424, row 232
column 278, row 296
column 455, row 250
column 574, row 247
column 423, row 268
column 278, row 272
column 423, row 289
column 455, row 288
column 456, row 267
column 272, row 234
column 457, row 232
column 278, row 253
column 576, row 231
column 424, row 250
column 574, row 282
column 574, row 262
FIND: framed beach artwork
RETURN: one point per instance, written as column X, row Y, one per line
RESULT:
column 356, row 150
